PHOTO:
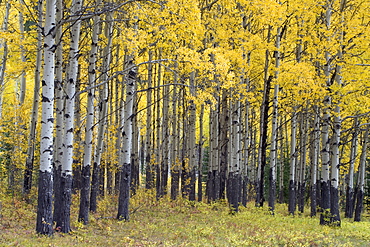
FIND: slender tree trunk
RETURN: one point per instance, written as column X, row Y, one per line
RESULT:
column 263, row 143
column 103, row 110
column 223, row 143
column 192, row 146
column 125, row 167
column 175, row 168
column 273, row 149
column 350, row 200
column 293, row 158
column 83, row 215
column 27, row 185
column 44, row 221
column 148, row 145
column 59, row 108
column 361, row 180
column 5, row 56
column 66, row 174
column 200, row 155
column 315, row 160
column 234, row 165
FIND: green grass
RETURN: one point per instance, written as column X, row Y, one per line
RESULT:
column 180, row 223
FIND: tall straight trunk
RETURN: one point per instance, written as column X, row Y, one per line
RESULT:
column 293, row 161
column 273, row 148
column 213, row 160
column 5, row 56
column 135, row 173
column 325, row 159
column 263, row 142
column 59, row 108
column 200, row 154
column 175, row 169
column 165, row 142
column 350, row 200
column 125, row 167
column 103, row 110
column 77, row 157
column 192, row 144
column 149, row 170
column 362, row 179
column 22, row 86
column 263, row 129
column 27, row 184
column 246, row 153
column 83, row 215
column 302, row 163
column 157, row 123
column 234, row 165
column 63, row 222
column 44, row 221
column 315, row 161
column 223, row 142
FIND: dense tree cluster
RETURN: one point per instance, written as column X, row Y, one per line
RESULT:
column 208, row 100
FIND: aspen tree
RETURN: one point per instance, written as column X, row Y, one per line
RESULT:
column 125, row 167
column 4, row 57
column 148, row 135
column 200, row 154
column 86, row 169
column 175, row 169
column 63, row 221
column 22, row 87
column 273, row 148
column 27, row 182
column 44, row 222
column 59, row 111
column 315, row 160
column 352, row 159
column 103, row 110
column 192, row 147
column 325, row 153
column 362, row 174
column 293, row 158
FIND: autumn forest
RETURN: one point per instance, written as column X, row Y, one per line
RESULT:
column 261, row 103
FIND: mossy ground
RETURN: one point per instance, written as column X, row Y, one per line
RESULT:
column 180, row 223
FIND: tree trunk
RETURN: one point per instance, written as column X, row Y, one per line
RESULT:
column 83, row 215
column 44, row 221
column 293, row 161
column 200, row 155
column 27, row 185
column 103, row 110
column 125, row 168
column 350, row 200
column 315, row 160
column 361, row 180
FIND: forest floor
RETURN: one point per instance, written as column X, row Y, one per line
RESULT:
column 180, row 223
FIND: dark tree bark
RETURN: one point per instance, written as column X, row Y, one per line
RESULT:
column 124, row 193
column 83, row 215
column 44, row 223
column 94, row 187
column 63, row 222
column 325, row 203
column 263, row 143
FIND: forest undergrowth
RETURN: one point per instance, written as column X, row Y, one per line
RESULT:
column 179, row 223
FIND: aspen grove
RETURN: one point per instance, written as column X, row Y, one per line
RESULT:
column 247, row 101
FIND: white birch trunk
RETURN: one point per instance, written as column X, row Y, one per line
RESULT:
column 293, row 158
column 125, row 166
column 103, row 110
column 88, row 148
column 44, row 223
